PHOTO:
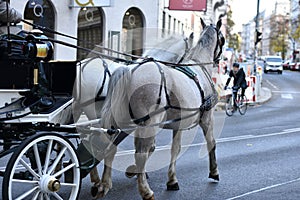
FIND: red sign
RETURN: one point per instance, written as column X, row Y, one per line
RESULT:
column 192, row 5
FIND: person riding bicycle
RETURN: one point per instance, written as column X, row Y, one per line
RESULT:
column 239, row 81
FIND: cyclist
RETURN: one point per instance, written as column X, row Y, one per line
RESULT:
column 239, row 81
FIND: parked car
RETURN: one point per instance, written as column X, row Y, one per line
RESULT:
column 286, row 64
column 295, row 66
column 273, row 64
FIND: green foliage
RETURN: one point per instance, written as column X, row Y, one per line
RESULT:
column 232, row 39
column 234, row 42
column 279, row 35
column 296, row 34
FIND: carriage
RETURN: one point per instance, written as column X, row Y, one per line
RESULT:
column 42, row 150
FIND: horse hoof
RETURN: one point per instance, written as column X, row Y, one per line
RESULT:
column 151, row 198
column 215, row 177
column 98, row 191
column 94, row 192
column 130, row 171
column 173, row 187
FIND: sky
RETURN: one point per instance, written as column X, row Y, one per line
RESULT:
column 245, row 10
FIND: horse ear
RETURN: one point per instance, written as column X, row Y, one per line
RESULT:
column 191, row 39
column 202, row 23
column 219, row 24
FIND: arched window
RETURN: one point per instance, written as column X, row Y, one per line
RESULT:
column 90, row 30
column 133, row 32
column 40, row 12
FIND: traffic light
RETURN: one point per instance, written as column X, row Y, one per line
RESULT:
column 258, row 37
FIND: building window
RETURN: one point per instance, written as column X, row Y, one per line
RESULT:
column 90, row 30
column 133, row 32
column 40, row 12
column 163, row 23
column 169, row 24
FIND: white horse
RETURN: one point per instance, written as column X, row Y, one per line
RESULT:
column 92, row 82
column 151, row 94
column 94, row 74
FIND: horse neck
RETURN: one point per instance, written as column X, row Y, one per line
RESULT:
column 201, row 54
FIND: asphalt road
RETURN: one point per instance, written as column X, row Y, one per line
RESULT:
column 257, row 154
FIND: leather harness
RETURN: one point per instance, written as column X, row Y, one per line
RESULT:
column 207, row 102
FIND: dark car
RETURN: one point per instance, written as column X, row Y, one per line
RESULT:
column 286, row 64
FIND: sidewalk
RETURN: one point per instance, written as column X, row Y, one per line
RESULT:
column 265, row 95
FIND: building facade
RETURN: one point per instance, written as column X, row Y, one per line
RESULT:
column 272, row 23
column 126, row 26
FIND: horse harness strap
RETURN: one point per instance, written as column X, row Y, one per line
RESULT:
column 98, row 97
column 207, row 102
column 106, row 72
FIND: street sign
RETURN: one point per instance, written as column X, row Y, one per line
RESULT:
column 191, row 5
column 90, row 3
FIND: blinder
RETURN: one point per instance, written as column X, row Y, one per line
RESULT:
column 220, row 44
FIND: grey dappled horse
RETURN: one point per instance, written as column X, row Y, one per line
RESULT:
column 143, row 100
column 94, row 74
column 92, row 81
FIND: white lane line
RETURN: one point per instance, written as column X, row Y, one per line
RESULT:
column 264, row 188
column 285, row 92
column 220, row 140
column 286, row 96
column 274, row 86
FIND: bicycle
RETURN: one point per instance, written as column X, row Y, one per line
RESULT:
column 241, row 103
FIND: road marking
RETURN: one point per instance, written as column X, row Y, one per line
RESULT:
column 286, row 96
column 263, row 189
column 285, row 92
column 274, row 86
column 220, row 140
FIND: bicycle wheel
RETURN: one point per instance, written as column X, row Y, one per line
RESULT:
column 243, row 105
column 229, row 106
column 37, row 169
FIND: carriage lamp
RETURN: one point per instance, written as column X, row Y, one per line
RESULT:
column 38, row 48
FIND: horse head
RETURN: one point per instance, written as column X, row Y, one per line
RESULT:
column 211, row 43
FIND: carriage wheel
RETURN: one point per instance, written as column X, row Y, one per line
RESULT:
column 44, row 166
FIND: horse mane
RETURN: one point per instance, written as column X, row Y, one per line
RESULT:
column 162, row 51
column 204, row 45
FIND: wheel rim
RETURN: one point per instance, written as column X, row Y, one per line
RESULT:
column 45, row 159
column 243, row 107
column 229, row 107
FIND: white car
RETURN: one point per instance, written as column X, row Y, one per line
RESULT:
column 273, row 64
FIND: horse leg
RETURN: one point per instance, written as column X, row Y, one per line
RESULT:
column 143, row 146
column 131, row 170
column 101, row 189
column 206, row 124
column 172, row 183
column 95, row 179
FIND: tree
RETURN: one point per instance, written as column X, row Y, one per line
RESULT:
column 296, row 34
column 232, row 38
column 279, row 35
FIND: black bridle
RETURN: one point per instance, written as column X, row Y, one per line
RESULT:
column 220, row 43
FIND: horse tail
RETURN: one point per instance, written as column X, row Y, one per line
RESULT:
column 115, row 109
